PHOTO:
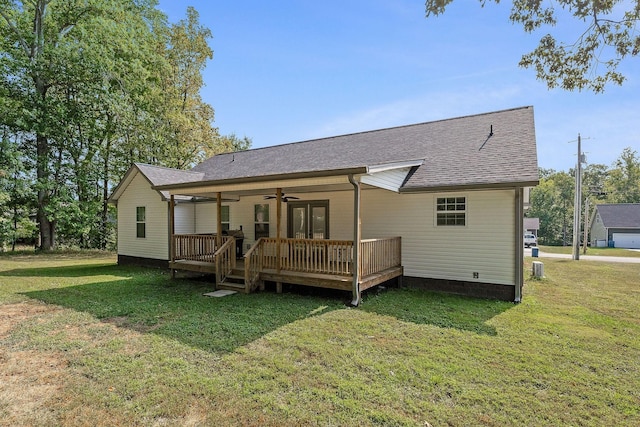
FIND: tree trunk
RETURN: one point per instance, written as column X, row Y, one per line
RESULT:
column 47, row 227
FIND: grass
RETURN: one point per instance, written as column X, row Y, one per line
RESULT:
column 86, row 342
column 619, row 252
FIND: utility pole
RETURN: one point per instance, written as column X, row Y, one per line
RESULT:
column 577, row 205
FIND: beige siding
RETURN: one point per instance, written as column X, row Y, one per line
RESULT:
column 485, row 245
column 185, row 218
column 205, row 217
column 598, row 231
column 155, row 244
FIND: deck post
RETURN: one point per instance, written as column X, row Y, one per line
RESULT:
column 172, row 232
column 219, row 220
column 278, row 223
column 357, row 237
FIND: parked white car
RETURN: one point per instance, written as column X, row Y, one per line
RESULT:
column 530, row 240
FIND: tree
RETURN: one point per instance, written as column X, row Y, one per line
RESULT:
column 64, row 63
column 188, row 132
column 591, row 61
column 552, row 202
column 623, row 181
column 15, row 194
column 89, row 87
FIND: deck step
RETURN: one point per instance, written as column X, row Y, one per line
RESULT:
column 231, row 286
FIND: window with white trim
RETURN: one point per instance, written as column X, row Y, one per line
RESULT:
column 224, row 218
column 141, row 222
column 451, row 211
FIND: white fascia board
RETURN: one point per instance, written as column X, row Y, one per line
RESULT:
column 389, row 176
column 395, row 165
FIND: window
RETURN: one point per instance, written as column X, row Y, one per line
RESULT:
column 261, row 220
column 141, row 224
column 451, row 211
column 224, row 218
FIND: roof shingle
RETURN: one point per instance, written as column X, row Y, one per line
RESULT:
column 484, row 149
column 620, row 215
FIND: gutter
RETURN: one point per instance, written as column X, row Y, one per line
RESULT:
column 355, row 287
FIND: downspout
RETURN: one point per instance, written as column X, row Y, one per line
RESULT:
column 519, row 252
column 356, row 241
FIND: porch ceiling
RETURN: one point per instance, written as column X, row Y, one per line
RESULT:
column 235, row 191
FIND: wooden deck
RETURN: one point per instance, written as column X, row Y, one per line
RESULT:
column 307, row 262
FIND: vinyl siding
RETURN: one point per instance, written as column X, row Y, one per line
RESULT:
column 155, row 244
column 598, row 232
column 185, row 218
column 485, row 245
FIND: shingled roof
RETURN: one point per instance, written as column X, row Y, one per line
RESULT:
column 620, row 215
column 157, row 176
column 490, row 149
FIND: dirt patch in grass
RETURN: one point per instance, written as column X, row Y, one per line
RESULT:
column 29, row 378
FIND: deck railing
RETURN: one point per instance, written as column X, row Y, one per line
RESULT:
column 195, row 247
column 309, row 256
column 377, row 255
column 331, row 257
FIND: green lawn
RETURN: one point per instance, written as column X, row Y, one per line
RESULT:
column 591, row 251
column 85, row 342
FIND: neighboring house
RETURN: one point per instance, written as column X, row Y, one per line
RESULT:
column 616, row 224
column 438, row 205
column 532, row 225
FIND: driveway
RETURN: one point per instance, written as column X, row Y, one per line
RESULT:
column 527, row 252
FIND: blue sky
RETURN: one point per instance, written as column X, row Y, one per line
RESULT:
column 290, row 71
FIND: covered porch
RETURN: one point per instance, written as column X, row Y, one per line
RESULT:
column 295, row 253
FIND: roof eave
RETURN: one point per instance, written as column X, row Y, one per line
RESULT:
column 465, row 187
column 265, row 178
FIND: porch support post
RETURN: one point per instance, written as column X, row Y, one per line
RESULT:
column 278, row 223
column 357, row 237
column 519, row 252
column 219, row 220
column 172, row 232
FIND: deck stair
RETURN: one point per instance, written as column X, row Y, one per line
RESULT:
column 234, row 281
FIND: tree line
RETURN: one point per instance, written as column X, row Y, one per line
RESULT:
column 87, row 87
column 552, row 201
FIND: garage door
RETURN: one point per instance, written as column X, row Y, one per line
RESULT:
column 627, row 240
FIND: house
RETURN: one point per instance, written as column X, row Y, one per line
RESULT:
column 531, row 225
column 616, row 224
column 437, row 205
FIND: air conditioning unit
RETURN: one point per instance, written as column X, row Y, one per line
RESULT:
column 537, row 269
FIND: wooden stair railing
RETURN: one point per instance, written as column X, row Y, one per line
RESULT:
column 225, row 259
column 253, row 263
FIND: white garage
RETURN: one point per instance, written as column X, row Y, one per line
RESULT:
column 626, row 240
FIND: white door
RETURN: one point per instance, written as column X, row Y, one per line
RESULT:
column 626, row 240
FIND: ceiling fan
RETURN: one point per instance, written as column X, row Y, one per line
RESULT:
column 284, row 198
